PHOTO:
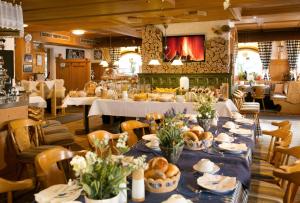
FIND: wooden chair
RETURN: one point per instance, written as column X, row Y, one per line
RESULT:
column 263, row 192
column 157, row 118
column 9, row 187
column 49, row 168
column 129, row 127
column 262, row 169
column 100, row 134
column 258, row 92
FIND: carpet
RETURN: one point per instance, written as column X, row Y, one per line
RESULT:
column 69, row 118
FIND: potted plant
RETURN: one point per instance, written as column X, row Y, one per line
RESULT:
column 170, row 140
column 205, row 106
column 100, row 178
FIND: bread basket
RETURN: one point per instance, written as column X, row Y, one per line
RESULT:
column 162, row 186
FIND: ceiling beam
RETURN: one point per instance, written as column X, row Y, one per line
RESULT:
column 271, row 10
column 125, row 30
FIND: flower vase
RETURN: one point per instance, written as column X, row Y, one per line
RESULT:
column 111, row 200
column 123, row 192
column 172, row 154
column 138, row 186
column 205, row 123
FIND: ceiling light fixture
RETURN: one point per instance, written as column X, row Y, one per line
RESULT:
column 177, row 62
column 78, row 32
column 226, row 4
column 25, row 25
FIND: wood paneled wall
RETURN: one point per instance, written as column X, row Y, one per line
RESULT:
column 75, row 72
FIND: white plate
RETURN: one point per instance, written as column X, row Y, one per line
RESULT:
column 215, row 169
column 233, row 147
column 236, row 126
column 244, row 121
column 241, row 131
column 217, row 183
column 150, row 137
column 231, row 139
column 156, row 148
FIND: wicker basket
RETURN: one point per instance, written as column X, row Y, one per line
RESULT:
column 162, row 186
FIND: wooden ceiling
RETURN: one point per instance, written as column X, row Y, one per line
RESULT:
column 126, row 17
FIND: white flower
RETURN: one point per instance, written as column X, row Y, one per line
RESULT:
column 90, row 157
column 106, row 140
column 79, row 164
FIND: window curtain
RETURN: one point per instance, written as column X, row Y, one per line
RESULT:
column 265, row 52
column 114, row 54
column 293, row 51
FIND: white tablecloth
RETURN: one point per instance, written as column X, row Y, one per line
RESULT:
column 78, row 101
column 37, row 101
column 131, row 108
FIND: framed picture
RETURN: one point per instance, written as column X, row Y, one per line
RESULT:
column 39, row 60
column 74, row 54
column 28, row 58
column 97, row 54
column 27, row 68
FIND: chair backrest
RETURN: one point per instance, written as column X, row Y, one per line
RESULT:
column 129, row 127
column 280, row 137
column 258, row 91
column 46, row 164
column 21, row 134
column 8, row 187
column 291, row 174
column 100, row 135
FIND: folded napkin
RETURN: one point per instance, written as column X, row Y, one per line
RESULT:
column 60, row 193
column 245, row 121
column 241, row 131
column 233, row 146
column 217, row 183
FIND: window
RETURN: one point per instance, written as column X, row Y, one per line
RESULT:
column 248, row 60
column 130, row 63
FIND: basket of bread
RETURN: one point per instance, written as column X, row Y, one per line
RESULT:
column 196, row 139
column 161, row 176
column 74, row 93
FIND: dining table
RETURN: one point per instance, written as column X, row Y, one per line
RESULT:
column 231, row 164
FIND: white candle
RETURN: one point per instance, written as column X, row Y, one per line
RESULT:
column 184, row 83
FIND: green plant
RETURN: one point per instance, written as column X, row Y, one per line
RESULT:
column 205, row 106
column 100, row 178
column 170, row 135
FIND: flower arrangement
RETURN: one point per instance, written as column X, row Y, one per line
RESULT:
column 172, row 117
column 99, row 177
column 205, row 106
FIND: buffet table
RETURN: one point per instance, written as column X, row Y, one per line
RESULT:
column 140, row 109
column 37, row 101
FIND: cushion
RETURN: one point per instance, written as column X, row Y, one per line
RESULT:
column 65, row 138
column 264, row 192
column 278, row 89
column 279, row 96
column 55, row 129
column 50, row 123
column 28, row 155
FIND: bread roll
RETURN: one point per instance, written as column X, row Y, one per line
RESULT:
column 159, row 163
column 207, row 135
column 190, row 136
column 172, row 170
column 155, row 174
column 197, row 130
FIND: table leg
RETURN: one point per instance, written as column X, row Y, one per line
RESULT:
column 86, row 130
column 86, row 118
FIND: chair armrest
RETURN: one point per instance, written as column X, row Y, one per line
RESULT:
column 7, row 185
column 280, row 124
column 293, row 151
column 80, row 153
column 280, row 133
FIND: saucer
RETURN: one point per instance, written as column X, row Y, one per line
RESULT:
column 231, row 139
